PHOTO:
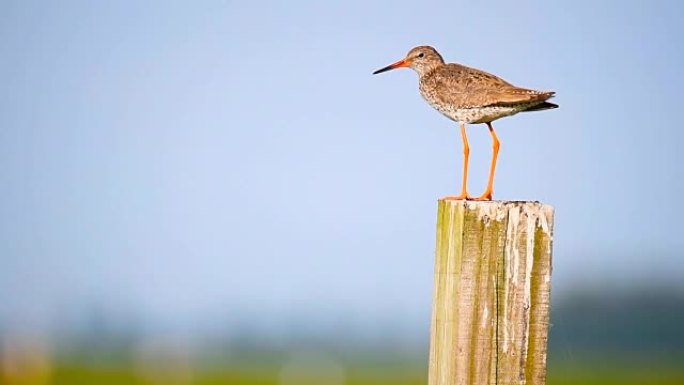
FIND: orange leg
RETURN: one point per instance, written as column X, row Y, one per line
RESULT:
column 466, row 154
column 487, row 196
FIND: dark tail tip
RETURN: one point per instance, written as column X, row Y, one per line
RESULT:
column 543, row 106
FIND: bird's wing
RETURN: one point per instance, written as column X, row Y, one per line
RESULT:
column 514, row 96
column 466, row 87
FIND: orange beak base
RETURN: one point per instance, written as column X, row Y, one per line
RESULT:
column 399, row 64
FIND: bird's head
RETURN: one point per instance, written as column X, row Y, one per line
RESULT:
column 421, row 59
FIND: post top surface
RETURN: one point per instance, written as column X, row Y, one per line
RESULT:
column 474, row 204
column 498, row 210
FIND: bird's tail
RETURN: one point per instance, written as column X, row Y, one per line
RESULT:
column 542, row 106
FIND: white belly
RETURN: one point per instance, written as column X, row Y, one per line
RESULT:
column 480, row 114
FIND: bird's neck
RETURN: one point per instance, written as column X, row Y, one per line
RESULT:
column 428, row 68
column 428, row 71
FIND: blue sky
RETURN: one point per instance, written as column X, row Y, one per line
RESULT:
column 183, row 160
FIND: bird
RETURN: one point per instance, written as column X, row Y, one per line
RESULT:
column 469, row 96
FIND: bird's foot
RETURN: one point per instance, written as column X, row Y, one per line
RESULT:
column 487, row 196
column 463, row 196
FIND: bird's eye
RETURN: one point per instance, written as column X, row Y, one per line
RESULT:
column 421, row 54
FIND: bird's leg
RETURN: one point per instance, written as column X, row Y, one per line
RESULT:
column 487, row 196
column 466, row 154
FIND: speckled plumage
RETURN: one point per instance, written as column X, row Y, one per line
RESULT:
column 469, row 95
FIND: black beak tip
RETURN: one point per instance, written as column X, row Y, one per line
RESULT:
column 381, row 70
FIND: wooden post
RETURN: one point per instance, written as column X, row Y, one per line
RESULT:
column 490, row 313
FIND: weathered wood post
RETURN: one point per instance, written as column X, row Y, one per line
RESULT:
column 490, row 313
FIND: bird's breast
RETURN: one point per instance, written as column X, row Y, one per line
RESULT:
column 431, row 94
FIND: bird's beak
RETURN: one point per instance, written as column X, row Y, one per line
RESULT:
column 399, row 64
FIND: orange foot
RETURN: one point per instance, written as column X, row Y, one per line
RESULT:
column 463, row 196
column 487, row 196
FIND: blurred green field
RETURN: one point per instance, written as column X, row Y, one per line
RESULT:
column 391, row 374
column 628, row 340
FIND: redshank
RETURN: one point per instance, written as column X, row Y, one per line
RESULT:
column 468, row 95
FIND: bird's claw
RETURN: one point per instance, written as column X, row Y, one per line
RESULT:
column 487, row 196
